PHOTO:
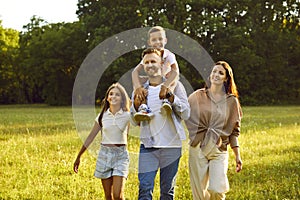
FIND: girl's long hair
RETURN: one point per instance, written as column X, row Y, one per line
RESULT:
column 125, row 103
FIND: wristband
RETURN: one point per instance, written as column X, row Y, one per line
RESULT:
column 168, row 95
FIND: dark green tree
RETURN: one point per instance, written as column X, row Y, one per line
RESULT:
column 259, row 39
column 51, row 54
column 9, row 41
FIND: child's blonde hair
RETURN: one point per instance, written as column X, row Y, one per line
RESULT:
column 156, row 29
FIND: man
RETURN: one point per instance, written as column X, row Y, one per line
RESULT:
column 160, row 136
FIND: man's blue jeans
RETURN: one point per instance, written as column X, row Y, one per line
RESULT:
column 152, row 159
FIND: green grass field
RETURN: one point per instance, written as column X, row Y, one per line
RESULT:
column 39, row 144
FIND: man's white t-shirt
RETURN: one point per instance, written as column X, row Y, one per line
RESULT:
column 162, row 128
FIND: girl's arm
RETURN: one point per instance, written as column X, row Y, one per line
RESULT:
column 96, row 128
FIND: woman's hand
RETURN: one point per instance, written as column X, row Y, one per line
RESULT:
column 238, row 159
column 239, row 164
column 76, row 164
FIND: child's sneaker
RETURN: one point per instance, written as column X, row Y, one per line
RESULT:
column 144, row 113
column 166, row 107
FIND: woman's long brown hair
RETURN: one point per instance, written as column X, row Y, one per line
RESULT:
column 230, row 86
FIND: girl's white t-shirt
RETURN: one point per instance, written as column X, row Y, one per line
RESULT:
column 114, row 127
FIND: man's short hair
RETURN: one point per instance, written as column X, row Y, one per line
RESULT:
column 151, row 50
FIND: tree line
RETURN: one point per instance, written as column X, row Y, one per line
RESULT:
column 260, row 39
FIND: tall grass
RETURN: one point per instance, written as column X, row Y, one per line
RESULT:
column 39, row 144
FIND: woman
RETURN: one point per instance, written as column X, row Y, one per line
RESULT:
column 113, row 159
column 213, row 124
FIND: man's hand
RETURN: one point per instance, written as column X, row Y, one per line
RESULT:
column 139, row 97
column 141, row 92
column 163, row 92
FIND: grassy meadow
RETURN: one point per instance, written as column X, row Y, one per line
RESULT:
column 39, row 144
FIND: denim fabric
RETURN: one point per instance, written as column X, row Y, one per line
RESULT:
column 152, row 159
column 112, row 161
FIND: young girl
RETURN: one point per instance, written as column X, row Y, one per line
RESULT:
column 113, row 159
